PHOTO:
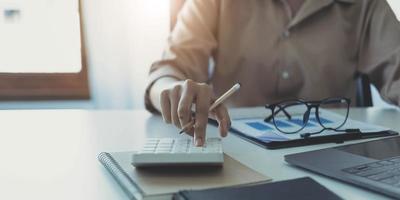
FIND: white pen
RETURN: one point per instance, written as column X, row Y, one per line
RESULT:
column 220, row 100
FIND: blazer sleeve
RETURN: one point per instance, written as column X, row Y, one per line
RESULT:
column 379, row 54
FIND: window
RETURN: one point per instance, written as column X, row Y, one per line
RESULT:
column 41, row 51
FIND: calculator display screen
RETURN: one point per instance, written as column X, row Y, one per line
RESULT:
column 378, row 149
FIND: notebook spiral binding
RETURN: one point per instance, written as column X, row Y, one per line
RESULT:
column 122, row 178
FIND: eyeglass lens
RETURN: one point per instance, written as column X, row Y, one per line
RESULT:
column 337, row 104
column 293, row 120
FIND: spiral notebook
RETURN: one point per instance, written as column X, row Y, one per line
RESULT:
column 162, row 183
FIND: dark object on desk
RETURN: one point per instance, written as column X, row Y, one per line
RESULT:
column 363, row 91
column 373, row 165
column 299, row 189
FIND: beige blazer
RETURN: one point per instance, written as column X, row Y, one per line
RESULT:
column 276, row 55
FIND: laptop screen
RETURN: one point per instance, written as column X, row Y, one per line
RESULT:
column 378, row 149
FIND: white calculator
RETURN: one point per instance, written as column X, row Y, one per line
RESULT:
column 177, row 151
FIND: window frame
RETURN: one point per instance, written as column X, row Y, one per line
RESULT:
column 48, row 86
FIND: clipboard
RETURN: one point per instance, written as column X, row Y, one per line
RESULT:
column 260, row 112
column 338, row 138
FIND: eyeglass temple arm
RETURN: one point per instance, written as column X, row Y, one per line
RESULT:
column 351, row 130
column 335, row 101
column 332, row 101
column 268, row 119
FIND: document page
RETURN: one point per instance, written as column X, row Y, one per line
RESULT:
column 257, row 128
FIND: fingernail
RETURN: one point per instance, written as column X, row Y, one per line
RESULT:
column 199, row 142
column 222, row 127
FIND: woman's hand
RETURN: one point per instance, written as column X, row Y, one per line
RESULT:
column 175, row 103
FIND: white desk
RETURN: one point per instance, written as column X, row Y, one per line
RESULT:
column 51, row 154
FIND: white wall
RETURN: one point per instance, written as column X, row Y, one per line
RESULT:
column 395, row 6
column 123, row 38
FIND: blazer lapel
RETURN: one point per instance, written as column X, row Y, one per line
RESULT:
column 310, row 7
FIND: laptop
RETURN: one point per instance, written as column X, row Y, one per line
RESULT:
column 374, row 165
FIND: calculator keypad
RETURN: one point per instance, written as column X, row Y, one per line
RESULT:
column 180, row 146
column 172, row 151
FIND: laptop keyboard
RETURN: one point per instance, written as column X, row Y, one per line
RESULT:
column 384, row 171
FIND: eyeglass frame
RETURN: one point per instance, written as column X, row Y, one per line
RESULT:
column 310, row 105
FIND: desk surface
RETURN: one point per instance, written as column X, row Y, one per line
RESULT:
column 51, row 154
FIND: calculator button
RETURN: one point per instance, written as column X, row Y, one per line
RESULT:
column 180, row 141
column 196, row 150
column 166, row 140
column 164, row 146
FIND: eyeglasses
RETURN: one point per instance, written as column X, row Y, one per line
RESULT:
column 298, row 113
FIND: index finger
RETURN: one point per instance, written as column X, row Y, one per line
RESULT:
column 202, row 106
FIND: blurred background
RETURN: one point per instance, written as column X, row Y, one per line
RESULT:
column 120, row 39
